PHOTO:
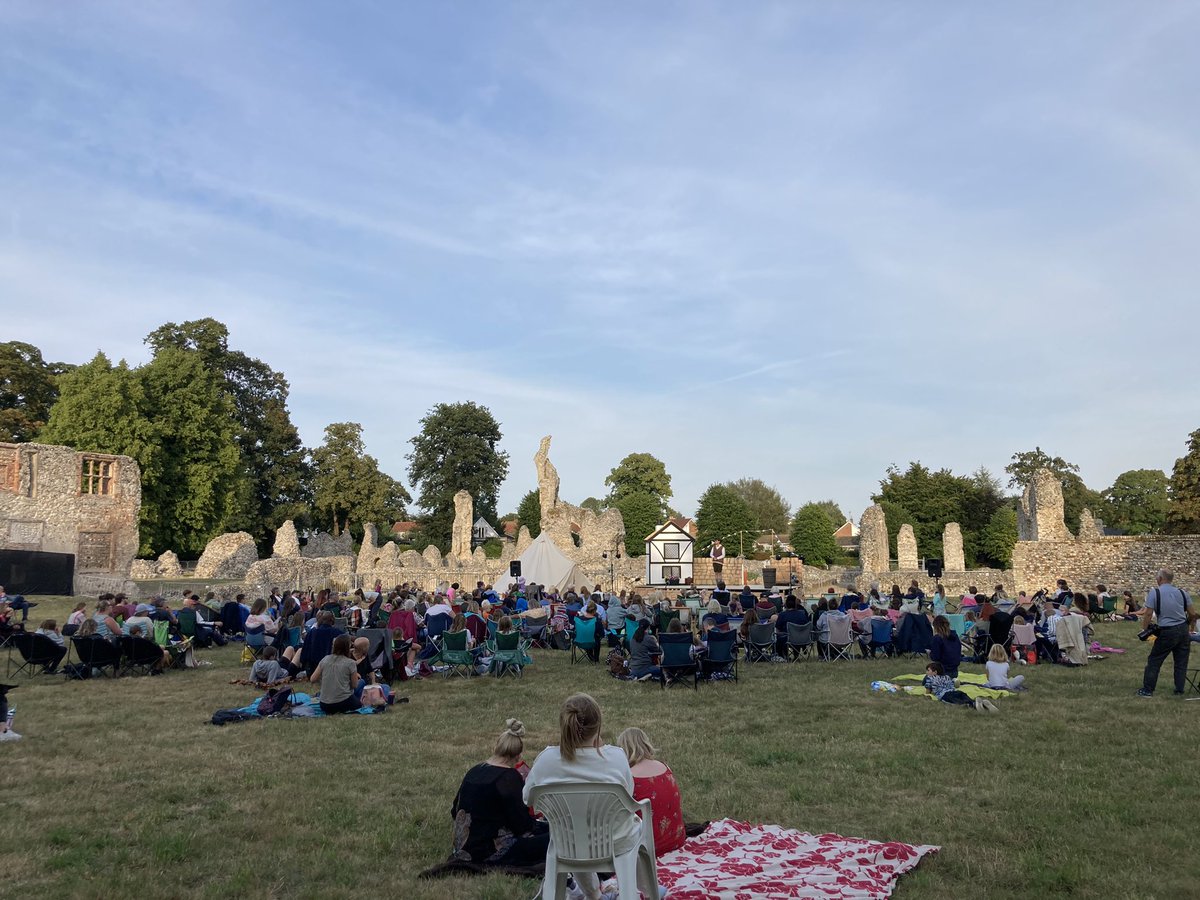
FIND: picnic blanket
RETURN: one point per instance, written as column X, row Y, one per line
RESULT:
column 736, row 860
column 970, row 683
column 303, row 706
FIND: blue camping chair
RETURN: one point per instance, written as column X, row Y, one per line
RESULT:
column 721, row 661
column 256, row 640
column 881, row 638
column 678, row 664
column 586, row 638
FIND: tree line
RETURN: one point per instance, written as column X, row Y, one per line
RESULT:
column 211, row 430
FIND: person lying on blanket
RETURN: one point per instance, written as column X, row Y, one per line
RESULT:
column 941, row 685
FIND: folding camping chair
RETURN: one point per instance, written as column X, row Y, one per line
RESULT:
column 98, row 654
column 721, row 661
column 914, row 637
column 454, row 655
column 586, row 639
column 840, row 639
column 799, row 640
column 140, row 656
column 1024, row 638
column 760, row 643
column 38, row 654
column 678, row 664
column 881, row 638
column 379, row 651
column 508, row 657
column 256, row 640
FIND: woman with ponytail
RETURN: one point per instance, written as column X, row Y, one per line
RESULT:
column 582, row 756
column 492, row 824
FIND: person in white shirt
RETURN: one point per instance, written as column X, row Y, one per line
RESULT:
column 582, row 757
column 997, row 670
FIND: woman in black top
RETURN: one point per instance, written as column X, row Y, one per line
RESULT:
column 492, row 825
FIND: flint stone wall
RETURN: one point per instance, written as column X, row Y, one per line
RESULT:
column 287, row 541
column 42, row 508
column 322, row 545
column 906, row 548
column 1120, row 563
column 286, row 574
column 952, row 548
column 228, row 556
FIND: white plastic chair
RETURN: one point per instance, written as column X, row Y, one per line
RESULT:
column 582, row 819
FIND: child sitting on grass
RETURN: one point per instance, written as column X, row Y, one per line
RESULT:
column 997, row 671
column 267, row 670
column 941, row 685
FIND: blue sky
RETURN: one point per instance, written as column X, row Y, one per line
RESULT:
column 793, row 241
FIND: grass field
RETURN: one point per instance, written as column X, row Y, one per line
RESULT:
column 1077, row 788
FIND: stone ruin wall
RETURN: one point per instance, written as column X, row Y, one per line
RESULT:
column 1047, row 551
column 42, row 508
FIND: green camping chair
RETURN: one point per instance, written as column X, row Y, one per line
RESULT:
column 508, row 657
column 455, row 656
column 665, row 617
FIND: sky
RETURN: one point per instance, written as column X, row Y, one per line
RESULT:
column 793, row 241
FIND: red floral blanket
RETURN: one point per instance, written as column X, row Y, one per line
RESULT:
column 739, row 861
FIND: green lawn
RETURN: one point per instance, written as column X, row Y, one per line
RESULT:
column 1077, row 788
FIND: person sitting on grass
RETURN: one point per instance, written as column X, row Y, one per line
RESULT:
column 492, row 824
column 341, row 685
column 941, row 685
column 268, row 669
column 49, row 629
column 946, row 648
column 644, row 653
column 1130, row 609
column 654, row 781
column 997, row 671
column 581, row 756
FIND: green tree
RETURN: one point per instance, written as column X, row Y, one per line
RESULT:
column 642, row 514
column 529, row 513
column 594, row 504
column 928, row 500
column 723, row 515
column 1183, row 516
column 28, row 389
column 272, row 460
column 998, row 539
column 172, row 416
column 349, row 488
column 1137, row 502
column 765, row 503
column 456, row 450
column 1077, row 496
column 639, row 473
column 812, row 535
column 834, row 512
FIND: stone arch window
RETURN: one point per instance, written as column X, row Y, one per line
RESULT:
column 96, row 476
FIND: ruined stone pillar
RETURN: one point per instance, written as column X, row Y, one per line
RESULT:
column 287, row 542
column 952, row 549
column 1040, row 516
column 873, row 541
column 906, row 548
column 460, row 533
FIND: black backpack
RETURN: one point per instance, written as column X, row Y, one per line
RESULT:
column 277, row 702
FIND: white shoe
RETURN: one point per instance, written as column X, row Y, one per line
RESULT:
column 410, row 672
column 10, row 736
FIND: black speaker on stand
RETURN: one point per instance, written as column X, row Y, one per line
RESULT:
column 934, row 568
column 514, row 568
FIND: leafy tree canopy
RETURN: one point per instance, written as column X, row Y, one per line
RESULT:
column 998, row 538
column 765, row 503
column 455, row 450
column 834, row 512
column 723, row 515
column 812, row 535
column 349, row 488
column 529, row 513
column 28, row 389
column 642, row 514
column 1183, row 517
column 639, row 473
column 594, row 504
column 1137, row 502
column 273, row 461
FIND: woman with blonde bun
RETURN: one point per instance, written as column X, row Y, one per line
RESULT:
column 582, row 756
column 492, row 824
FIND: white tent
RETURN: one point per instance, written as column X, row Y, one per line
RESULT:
column 543, row 563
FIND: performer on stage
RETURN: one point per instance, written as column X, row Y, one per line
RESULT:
column 718, row 558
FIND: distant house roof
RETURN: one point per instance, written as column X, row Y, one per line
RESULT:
column 403, row 527
column 510, row 527
column 848, row 530
column 483, row 531
column 683, row 523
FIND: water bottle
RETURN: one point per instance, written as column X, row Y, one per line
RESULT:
column 12, row 711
